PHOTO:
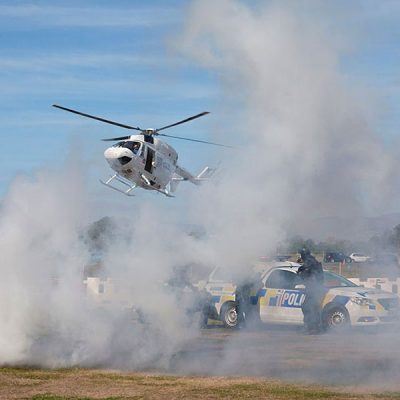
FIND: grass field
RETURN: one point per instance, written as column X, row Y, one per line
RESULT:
column 74, row 384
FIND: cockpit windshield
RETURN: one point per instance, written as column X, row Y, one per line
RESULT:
column 133, row 146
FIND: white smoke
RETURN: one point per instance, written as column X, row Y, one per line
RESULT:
column 305, row 146
column 46, row 316
column 39, row 221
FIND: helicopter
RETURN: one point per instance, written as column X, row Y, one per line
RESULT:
column 145, row 161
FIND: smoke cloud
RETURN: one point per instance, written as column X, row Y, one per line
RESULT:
column 47, row 318
column 305, row 144
column 304, row 149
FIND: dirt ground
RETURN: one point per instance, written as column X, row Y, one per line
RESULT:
column 99, row 384
column 223, row 364
column 359, row 358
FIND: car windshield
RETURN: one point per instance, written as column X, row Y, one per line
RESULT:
column 332, row 280
column 220, row 275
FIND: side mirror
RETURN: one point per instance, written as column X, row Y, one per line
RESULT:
column 300, row 287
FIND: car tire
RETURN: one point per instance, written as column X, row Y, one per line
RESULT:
column 336, row 318
column 229, row 315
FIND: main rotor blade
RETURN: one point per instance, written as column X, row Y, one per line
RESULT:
column 183, row 121
column 107, row 121
column 193, row 140
column 116, row 138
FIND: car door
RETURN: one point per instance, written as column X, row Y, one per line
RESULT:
column 281, row 301
column 221, row 288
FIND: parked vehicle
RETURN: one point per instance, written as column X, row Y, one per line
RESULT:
column 359, row 257
column 336, row 256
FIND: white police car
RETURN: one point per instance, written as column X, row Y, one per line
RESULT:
column 278, row 295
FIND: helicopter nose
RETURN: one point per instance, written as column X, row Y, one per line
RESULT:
column 116, row 156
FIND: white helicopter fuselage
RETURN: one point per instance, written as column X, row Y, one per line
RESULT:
column 148, row 162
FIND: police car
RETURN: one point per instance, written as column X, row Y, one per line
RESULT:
column 277, row 298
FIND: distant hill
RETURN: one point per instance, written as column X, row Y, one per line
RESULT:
column 353, row 228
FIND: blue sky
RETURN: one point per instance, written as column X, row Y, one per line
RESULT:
column 114, row 59
column 111, row 59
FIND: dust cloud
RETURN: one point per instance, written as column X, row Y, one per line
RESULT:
column 47, row 318
column 301, row 132
column 306, row 147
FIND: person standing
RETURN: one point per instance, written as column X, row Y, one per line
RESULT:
column 311, row 273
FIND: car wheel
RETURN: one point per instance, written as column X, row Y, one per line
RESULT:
column 229, row 315
column 336, row 318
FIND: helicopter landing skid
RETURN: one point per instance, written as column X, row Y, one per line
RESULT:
column 168, row 194
column 121, row 180
column 152, row 187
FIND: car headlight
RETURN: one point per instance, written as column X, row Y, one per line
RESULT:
column 362, row 301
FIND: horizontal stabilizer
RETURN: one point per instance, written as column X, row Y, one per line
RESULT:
column 184, row 175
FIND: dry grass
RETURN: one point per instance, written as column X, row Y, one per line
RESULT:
column 85, row 384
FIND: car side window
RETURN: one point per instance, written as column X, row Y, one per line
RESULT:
column 281, row 279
